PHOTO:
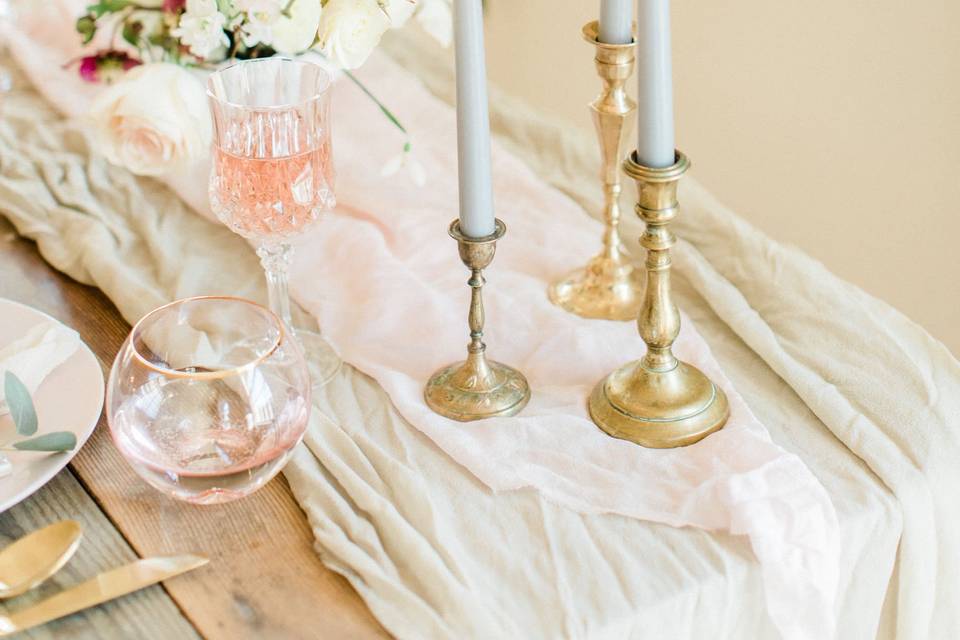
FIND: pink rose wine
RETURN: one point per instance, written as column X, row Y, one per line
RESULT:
column 271, row 198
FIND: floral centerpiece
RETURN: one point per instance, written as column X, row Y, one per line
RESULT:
column 153, row 118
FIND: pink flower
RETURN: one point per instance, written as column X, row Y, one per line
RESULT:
column 88, row 68
column 106, row 66
column 173, row 6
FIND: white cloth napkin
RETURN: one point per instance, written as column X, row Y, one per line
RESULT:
column 32, row 357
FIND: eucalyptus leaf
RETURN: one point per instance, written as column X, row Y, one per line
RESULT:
column 56, row 441
column 20, row 404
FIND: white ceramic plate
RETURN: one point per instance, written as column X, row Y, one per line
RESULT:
column 69, row 399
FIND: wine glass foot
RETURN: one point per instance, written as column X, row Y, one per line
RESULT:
column 322, row 361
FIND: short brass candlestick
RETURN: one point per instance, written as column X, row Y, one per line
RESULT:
column 658, row 401
column 477, row 388
column 608, row 286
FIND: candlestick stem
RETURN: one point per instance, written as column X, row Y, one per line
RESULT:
column 608, row 286
column 477, row 388
column 476, row 318
column 658, row 401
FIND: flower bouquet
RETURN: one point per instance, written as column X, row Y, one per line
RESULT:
column 152, row 116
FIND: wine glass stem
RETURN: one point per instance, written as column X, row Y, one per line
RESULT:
column 275, row 259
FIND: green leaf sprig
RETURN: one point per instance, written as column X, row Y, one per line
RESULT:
column 24, row 416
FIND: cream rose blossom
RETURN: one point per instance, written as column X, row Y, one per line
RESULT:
column 152, row 121
column 351, row 29
column 295, row 33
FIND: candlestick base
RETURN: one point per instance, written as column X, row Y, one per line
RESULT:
column 476, row 388
column 658, row 409
column 604, row 289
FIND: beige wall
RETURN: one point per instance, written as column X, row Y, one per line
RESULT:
column 831, row 125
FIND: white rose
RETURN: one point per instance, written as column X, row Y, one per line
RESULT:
column 261, row 17
column 399, row 11
column 266, row 10
column 296, row 33
column 153, row 120
column 201, row 28
column 351, row 29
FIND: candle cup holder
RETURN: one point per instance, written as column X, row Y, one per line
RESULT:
column 609, row 286
column 476, row 388
column 658, row 401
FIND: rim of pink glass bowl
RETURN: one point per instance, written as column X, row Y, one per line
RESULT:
column 208, row 375
column 316, row 97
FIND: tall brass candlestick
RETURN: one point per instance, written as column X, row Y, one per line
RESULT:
column 608, row 286
column 658, row 401
column 477, row 388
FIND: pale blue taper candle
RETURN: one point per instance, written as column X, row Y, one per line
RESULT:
column 473, row 121
column 655, row 145
column 616, row 18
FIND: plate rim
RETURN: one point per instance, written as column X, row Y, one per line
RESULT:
column 83, row 435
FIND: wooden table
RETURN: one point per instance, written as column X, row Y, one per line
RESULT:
column 264, row 580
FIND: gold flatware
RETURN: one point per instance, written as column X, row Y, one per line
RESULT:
column 99, row 589
column 37, row 556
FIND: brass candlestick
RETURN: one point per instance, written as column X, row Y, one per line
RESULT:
column 608, row 286
column 658, row 401
column 477, row 388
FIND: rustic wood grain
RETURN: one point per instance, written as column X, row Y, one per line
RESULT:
column 264, row 580
column 149, row 614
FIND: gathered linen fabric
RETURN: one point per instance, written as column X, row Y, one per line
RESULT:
column 436, row 554
column 433, row 551
column 369, row 272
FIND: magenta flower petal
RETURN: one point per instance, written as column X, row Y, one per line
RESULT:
column 88, row 68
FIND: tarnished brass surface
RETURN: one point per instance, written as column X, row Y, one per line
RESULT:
column 608, row 286
column 658, row 409
column 658, row 401
column 476, row 388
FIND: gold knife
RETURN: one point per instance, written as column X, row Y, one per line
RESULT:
column 99, row 589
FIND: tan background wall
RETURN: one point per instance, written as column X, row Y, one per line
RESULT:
column 834, row 126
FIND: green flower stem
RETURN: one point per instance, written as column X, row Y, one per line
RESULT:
column 389, row 114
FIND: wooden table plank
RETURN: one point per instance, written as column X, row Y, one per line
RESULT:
column 265, row 580
column 149, row 613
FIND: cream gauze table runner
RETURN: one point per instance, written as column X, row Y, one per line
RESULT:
column 428, row 547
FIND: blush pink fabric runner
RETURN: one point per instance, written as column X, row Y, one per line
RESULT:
column 385, row 283
column 389, row 291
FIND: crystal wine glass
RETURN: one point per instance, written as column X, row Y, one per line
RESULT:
column 208, row 398
column 272, row 172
